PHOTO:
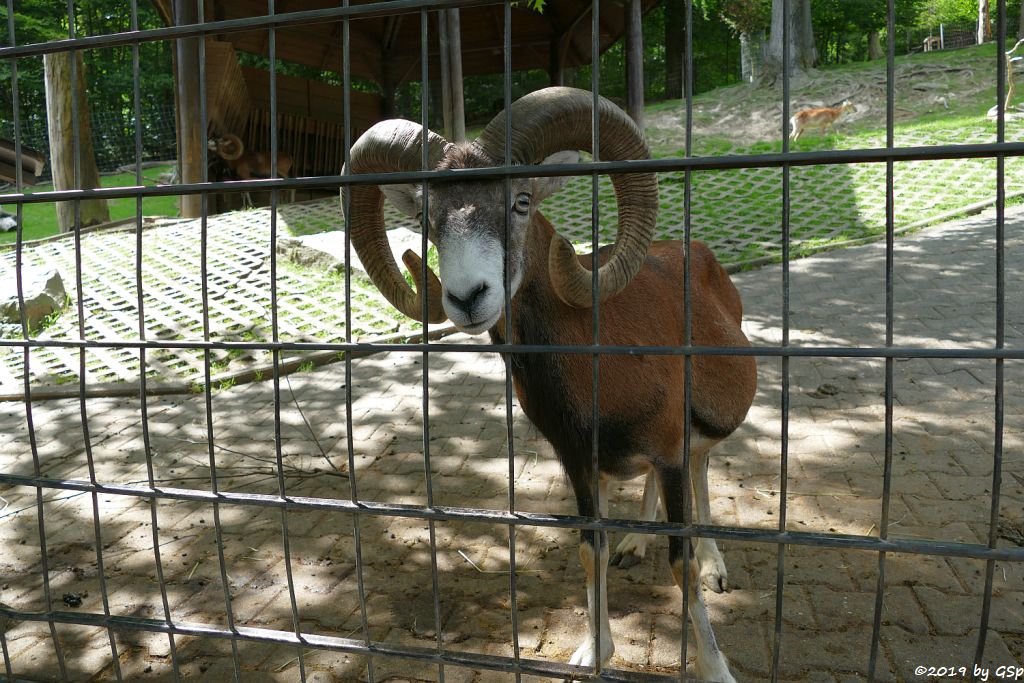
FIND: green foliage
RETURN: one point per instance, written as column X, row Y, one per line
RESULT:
column 716, row 58
column 108, row 71
column 742, row 16
column 935, row 12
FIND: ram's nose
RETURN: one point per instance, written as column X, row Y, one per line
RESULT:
column 466, row 299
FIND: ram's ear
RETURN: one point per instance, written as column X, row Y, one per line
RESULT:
column 545, row 187
column 407, row 198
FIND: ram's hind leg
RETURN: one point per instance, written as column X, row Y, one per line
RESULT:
column 633, row 546
column 711, row 663
column 712, row 567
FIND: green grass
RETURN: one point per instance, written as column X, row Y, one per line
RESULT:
column 40, row 220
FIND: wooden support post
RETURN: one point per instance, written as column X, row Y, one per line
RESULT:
column 455, row 64
column 556, row 72
column 634, row 63
column 444, row 55
column 387, row 86
column 390, row 80
column 65, row 97
column 191, row 129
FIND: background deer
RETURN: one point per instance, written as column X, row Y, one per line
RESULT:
column 820, row 117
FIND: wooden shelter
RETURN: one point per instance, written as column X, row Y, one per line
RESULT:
column 384, row 50
column 31, row 162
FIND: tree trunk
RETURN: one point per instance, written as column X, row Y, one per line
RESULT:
column 752, row 47
column 634, row 63
column 60, row 117
column 984, row 24
column 802, row 53
column 675, row 40
column 875, row 46
column 808, row 51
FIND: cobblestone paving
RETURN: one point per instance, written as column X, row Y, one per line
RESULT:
column 309, row 304
column 942, row 476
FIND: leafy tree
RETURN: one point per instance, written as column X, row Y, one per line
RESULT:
column 108, row 74
column 749, row 19
column 853, row 29
column 935, row 12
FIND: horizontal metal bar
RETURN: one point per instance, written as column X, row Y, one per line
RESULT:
column 483, row 515
column 367, row 348
column 719, row 163
column 374, row 9
column 313, row 641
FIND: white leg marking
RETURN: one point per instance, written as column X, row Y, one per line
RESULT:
column 712, row 567
column 633, row 547
column 585, row 653
column 711, row 663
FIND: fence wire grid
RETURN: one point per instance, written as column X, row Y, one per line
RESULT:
column 228, row 496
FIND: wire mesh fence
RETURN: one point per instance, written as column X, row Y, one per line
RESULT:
column 318, row 528
column 113, row 140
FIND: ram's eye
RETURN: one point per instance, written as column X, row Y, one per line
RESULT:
column 522, row 204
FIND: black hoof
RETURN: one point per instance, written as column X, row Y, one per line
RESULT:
column 624, row 560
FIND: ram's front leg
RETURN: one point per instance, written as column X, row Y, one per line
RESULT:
column 594, row 557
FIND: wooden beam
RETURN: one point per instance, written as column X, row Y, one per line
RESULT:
column 571, row 28
column 334, row 36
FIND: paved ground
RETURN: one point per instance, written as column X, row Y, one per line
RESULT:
column 941, row 489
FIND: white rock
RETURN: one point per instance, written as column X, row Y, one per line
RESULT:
column 43, row 290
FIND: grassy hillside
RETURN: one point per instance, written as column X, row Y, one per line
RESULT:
column 941, row 98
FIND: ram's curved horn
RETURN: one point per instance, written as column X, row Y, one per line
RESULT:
column 391, row 146
column 230, row 147
column 556, row 119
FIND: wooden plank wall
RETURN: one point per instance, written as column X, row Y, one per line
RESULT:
column 310, row 124
column 227, row 96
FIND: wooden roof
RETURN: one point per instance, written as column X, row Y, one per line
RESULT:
column 387, row 49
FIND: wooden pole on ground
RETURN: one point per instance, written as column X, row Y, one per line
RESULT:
column 65, row 97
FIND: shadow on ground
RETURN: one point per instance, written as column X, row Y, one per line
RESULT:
column 942, row 448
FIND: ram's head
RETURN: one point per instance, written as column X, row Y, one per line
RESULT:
column 471, row 221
